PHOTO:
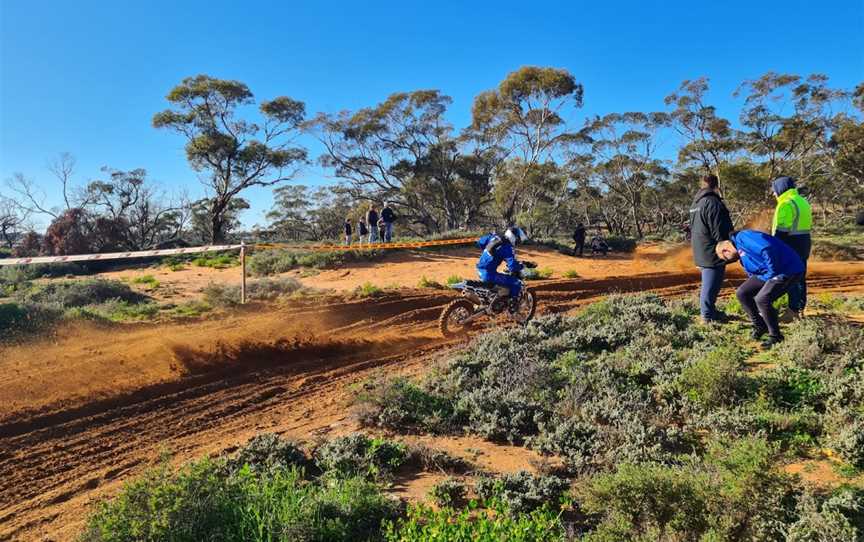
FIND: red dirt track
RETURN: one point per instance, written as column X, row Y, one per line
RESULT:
column 95, row 405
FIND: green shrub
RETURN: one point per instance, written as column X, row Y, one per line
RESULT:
column 448, row 492
column 268, row 451
column 78, row 293
column 190, row 309
column 18, row 319
column 571, row 274
column 147, row 280
column 427, row 283
column 435, row 460
column 835, row 518
column 454, row 279
column 358, row 455
column 219, row 260
column 224, row 295
column 448, row 525
column 271, row 262
column 713, row 379
column 400, row 404
column 202, row 502
column 115, row 310
column 522, row 491
column 368, row 290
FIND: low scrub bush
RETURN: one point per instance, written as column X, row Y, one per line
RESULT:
column 147, row 280
column 115, row 310
column 522, row 491
column 713, row 379
column 219, row 260
column 400, row 404
column 424, row 524
column 832, row 518
column 435, row 460
column 271, row 262
column 268, row 451
column 368, row 289
column 571, row 274
column 448, row 492
column 224, row 295
column 428, row 283
column 454, row 279
column 205, row 501
column 78, row 293
column 19, row 319
column 358, row 455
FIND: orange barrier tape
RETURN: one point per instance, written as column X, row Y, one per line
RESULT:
column 366, row 246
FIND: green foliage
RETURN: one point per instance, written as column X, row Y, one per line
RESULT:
column 219, row 260
column 733, row 493
column 427, row 283
column 147, row 280
column 267, row 451
column 271, row 262
column 713, row 378
column 838, row 517
column 204, row 501
column 448, row 525
column 448, row 492
column 224, row 295
column 358, row 455
column 398, row 403
column 78, row 293
column 115, row 310
column 571, row 274
column 522, row 491
column 454, row 279
column 19, row 319
column 367, row 289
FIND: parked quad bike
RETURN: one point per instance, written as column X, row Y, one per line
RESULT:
column 481, row 299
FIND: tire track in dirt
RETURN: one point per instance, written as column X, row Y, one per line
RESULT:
column 60, row 459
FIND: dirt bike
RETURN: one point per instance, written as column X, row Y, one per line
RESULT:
column 485, row 299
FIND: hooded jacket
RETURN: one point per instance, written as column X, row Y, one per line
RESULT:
column 710, row 223
column 766, row 257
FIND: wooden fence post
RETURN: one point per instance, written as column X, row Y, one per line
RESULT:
column 243, row 270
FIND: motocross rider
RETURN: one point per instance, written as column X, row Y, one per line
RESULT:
column 497, row 249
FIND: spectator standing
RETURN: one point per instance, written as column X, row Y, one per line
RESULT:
column 389, row 218
column 347, row 229
column 792, row 223
column 362, row 232
column 579, row 239
column 772, row 267
column 710, row 223
column 382, row 229
column 372, row 222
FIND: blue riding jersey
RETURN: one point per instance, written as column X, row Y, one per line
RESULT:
column 496, row 249
column 766, row 257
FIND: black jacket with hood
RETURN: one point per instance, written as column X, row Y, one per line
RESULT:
column 710, row 223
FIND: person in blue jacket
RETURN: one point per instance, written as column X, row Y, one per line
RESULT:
column 497, row 249
column 772, row 267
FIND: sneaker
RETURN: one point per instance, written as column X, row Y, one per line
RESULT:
column 757, row 333
column 769, row 343
column 788, row 316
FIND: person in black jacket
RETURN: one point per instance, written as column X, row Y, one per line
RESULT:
column 362, row 231
column 347, row 229
column 372, row 222
column 389, row 218
column 710, row 223
column 579, row 239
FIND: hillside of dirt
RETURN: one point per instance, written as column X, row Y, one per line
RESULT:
column 92, row 405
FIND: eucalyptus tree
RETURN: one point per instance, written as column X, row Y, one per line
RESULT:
column 231, row 152
column 709, row 141
column 624, row 152
column 403, row 150
column 526, row 120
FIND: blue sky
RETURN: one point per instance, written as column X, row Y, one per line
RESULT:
column 86, row 77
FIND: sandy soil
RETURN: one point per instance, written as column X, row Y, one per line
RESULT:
column 90, row 406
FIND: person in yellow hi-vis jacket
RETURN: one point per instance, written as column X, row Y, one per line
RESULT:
column 792, row 223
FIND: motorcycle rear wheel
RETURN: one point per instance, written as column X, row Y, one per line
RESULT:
column 452, row 320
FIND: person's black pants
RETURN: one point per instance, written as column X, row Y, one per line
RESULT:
column 579, row 247
column 756, row 297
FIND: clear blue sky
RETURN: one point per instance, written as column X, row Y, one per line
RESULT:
column 87, row 76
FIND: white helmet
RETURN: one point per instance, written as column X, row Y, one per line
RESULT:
column 515, row 235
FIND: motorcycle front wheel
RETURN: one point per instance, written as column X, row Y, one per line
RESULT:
column 452, row 321
column 527, row 305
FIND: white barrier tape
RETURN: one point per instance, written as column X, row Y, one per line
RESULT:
column 114, row 255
